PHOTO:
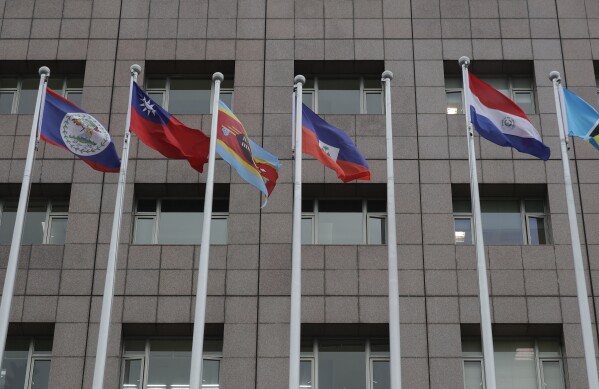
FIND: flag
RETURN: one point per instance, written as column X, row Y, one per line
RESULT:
column 332, row 147
column 582, row 118
column 503, row 122
column 161, row 131
column 254, row 164
column 66, row 125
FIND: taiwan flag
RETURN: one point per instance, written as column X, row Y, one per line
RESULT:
column 332, row 147
column 66, row 125
column 161, row 131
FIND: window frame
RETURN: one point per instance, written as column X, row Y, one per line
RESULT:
column 50, row 215
column 64, row 90
column 314, row 91
column 32, row 357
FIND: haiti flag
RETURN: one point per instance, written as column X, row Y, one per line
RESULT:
column 66, row 125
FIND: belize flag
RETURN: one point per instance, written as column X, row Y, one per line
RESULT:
column 582, row 119
column 161, row 131
column 254, row 164
column 503, row 122
column 66, row 125
column 332, row 147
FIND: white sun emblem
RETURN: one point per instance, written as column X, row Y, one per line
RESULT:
column 147, row 107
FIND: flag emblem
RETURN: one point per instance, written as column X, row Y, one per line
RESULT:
column 147, row 106
column 83, row 135
column 329, row 150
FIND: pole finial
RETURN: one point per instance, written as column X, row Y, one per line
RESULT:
column 218, row 76
column 135, row 69
column 44, row 71
column 464, row 61
column 554, row 75
column 388, row 74
column 299, row 78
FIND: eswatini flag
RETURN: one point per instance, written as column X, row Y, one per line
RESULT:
column 332, row 147
column 503, row 122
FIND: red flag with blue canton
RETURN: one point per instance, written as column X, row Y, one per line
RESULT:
column 66, row 125
column 333, row 147
column 161, row 131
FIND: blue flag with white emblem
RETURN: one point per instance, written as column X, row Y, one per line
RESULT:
column 582, row 118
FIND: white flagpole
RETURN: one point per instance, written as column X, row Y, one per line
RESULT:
column 15, row 248
column 394, row 321
column 483, row 287
column 111, row 266
column 581, row 287
column 195, row 378
column 295, row 320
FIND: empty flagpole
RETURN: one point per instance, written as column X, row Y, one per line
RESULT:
column 481, row 263
column 394, row 338
column 111, row 266
column 195, row 379
column 295, row 320
column 15, row 247
column 581, row 287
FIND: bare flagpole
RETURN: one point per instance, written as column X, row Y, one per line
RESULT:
column 195, row 378
column 295, row 321
column 15, row 247
column 581, row 287
column 111, row 266
column 483, row 287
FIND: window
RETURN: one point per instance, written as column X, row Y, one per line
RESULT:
column 18, row 95
column 165, row 363
column 328, row 95
column 522, row 363
column 505, row 221
column 45, row 221
column 518, row 88
column 26, row 363
column 178, row 221
column 187, row 95
column 345, row 363
column 344, row 221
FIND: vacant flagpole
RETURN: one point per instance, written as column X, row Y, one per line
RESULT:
column 481, row 263
column 195, row 378
column 295, row 320
column 111, row 266
column 394, row 338
column 581, row 286
column 15, row 247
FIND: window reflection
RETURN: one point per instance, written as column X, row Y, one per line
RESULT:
column 45, row 221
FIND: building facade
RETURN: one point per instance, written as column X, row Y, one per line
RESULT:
column 342, row 47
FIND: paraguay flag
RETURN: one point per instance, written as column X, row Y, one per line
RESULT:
column 66, row 125
column 332, row 147
column 503, row 122
column 161, row 131
column 254, row 164
column 581, row 118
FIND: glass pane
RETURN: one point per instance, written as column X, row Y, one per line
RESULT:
column 7, row 222
column 463, row 230
column 374, row 102
column 453, row 83
column 340, row 228
column 379, row 346
column 515, row 364
column 462, row 206
column 376, row 205
column 213, row 345
column 57, row 84
column 473, row 375
column 218, row 231
column 169, row 364
column 43, row 345
column 58, row 230
column 144, row 205
column 188, row 96
column 35, row 222
column 502, row 223
column 376, row 229
column 132, row 345
column 307, row 233
column 526, row 101
column 549, row 348
column 158, row 97
column 536, row 227
column 339, row 96
column 220, row 205
column 144, row 230
column 40, row 374
column 536, row 206
column 60, row 206
column 14, row 367
column 180, row 222
column 522, row 83
column 76, row 97
column 380, row 375
column 74, row 82
column 307, row 205
column 454, row 102
column 552, row 375
column 132, row 374
column 210, row 372
column 471, row 348
column 6, row 99
column 156, row 83
column 341, row 365
column 227, row 98
column 306, row 375
column 28, row 95
column 308, row 99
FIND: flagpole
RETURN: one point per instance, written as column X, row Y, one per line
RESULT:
column 581, row 287
column 15, row 248
column 483, row 287
column 295, row 320
column 195, row 379
column 111, row 266
column 394, row 320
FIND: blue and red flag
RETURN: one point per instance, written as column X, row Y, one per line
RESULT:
column 333, row 147
column 66, row 125
column 161, row 131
